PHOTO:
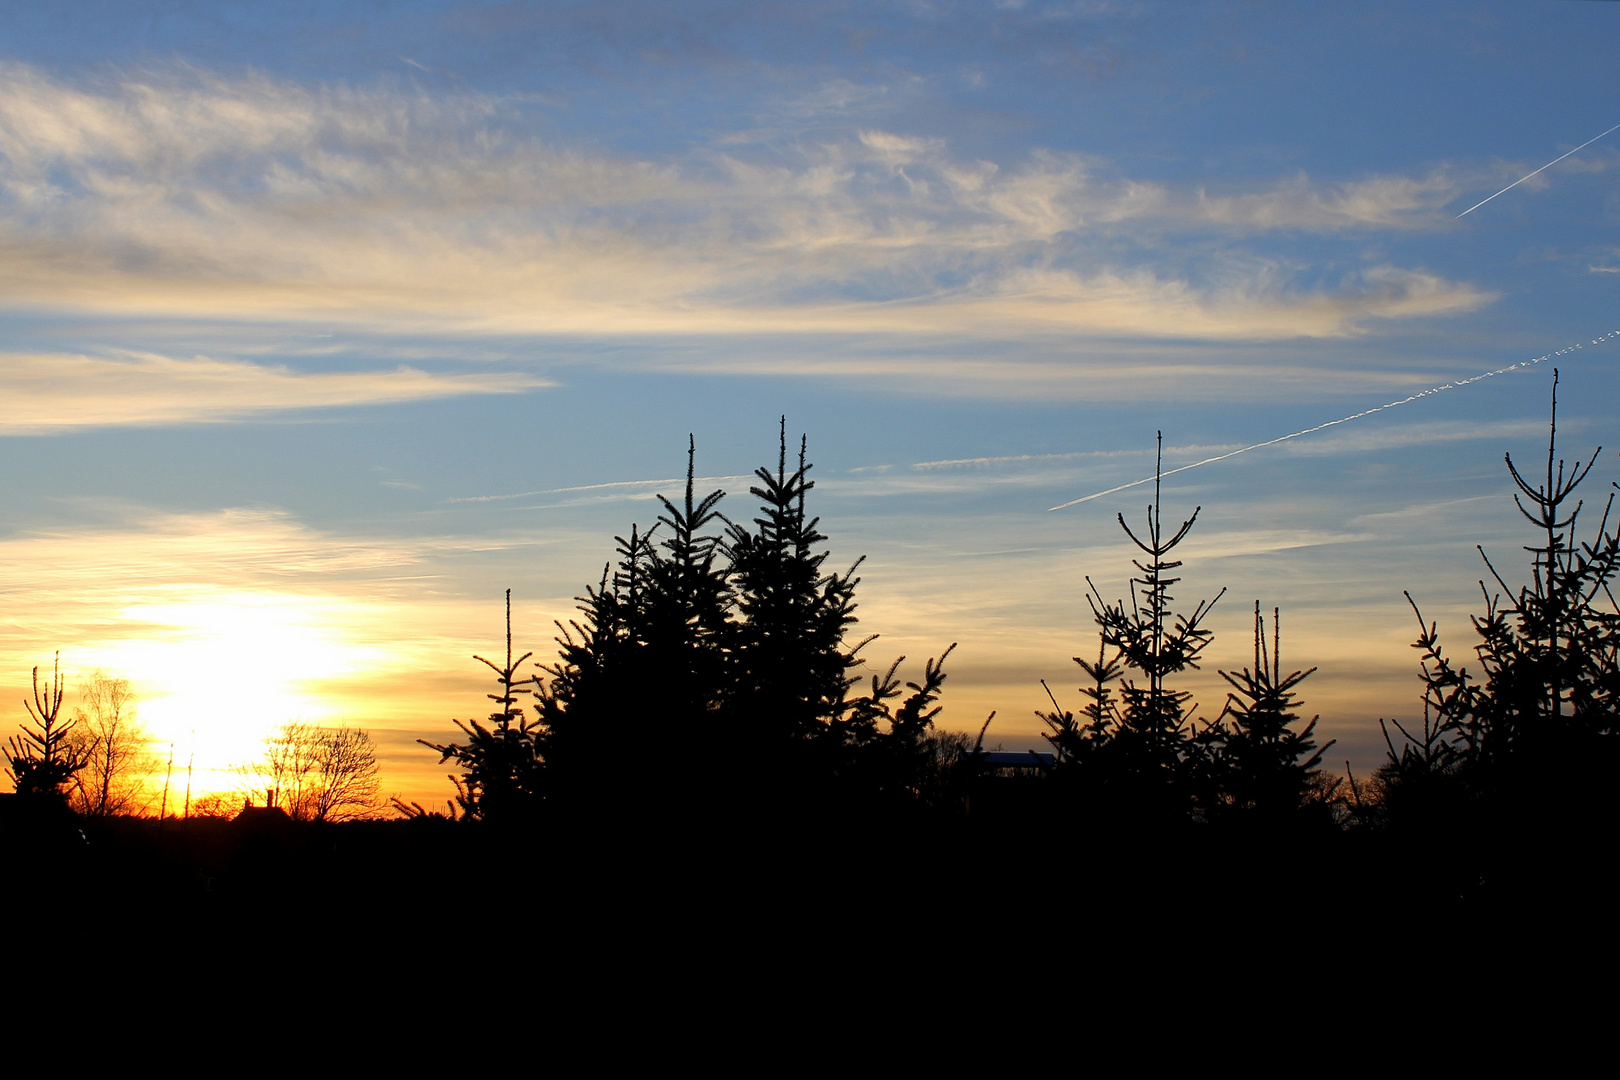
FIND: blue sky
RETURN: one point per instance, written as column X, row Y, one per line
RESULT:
column 325, row 323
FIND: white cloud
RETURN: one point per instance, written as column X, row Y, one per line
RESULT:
column 1383, row 201
column 46, row 393
column 183, row 192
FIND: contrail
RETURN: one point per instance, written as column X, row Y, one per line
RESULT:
column 1544, row 168
column 1340, row 420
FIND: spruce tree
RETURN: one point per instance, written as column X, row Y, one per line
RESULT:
column 1082, row 743
column 889, row 751
column 1538, row 721
column 1267, row 763
column 687, row 616
column 46, row 758
column 789, row 661
column 1138, row 755
column 590, row 699
column 631, row 702
column 1155, row 737
column 503, row 764
column 707, row 666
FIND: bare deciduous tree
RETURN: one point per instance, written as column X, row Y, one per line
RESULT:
column 215, row 804
column 119, row 760
column 319, row 774
column 346, row 774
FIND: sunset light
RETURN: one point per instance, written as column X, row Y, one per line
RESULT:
column 341, row 344
column 220, row 673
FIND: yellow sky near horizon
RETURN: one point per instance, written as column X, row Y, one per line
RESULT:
column 229, row 625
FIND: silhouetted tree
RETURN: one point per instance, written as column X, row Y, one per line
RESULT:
column 216, row 804
column 587, row 653
column 1138, row 753
column 640, row 676
column 790, row 662
column 317, row 773
column 1151, row 639
column 1422, row 778
column 118, row 757
column 595, row 704
column 1082, row 742
column 503, row 764
column 1266, row 762
column 1542, row 710
column 46, row 757
column 895, row 751
column 347, row 776
column 703, row 664
column 688, row 602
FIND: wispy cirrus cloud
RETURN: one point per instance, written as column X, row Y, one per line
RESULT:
column 180, row 191
column 616, row 491
column 46, row 393
column 1379, row 201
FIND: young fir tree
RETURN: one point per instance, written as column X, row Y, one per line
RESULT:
column 890, row 752
column 1539, row 721
column 46, row 758
column 789, row 661
column 1139, row 754
column 688, row 607
column 590, row 698
column 503, row 764
column 1422, row 779
column 1081, row 743
column 1155, row 733
column 630, row 703
column 704, row 666
column 1266, row 762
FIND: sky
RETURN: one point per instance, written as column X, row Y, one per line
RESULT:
column 323, row 324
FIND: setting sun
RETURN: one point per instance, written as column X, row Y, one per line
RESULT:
column 219, row 673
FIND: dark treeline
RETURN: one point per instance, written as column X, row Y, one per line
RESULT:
column 708, row 733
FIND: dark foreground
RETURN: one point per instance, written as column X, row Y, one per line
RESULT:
column 985, row 889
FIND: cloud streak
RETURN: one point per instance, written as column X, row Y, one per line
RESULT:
column 613, row 491
column 183, row 192
column 49, row 393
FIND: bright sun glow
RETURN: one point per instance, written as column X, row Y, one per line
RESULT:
column 217, row 675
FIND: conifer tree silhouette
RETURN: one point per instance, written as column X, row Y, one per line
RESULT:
column 1149, row 638
column 688, row 610
column 46, row 757
column 1543, row 707
column 1267, row 763
column 1139, row 751
column 503, row 764
column 888, row 751
column 589, row 702
column 630, row 703
column 1422, row 779
column 790, row 662
column 1081, row 742
column 707, row 665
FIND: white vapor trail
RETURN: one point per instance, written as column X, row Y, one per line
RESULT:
column 1544, row 168
column 1340, row 420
